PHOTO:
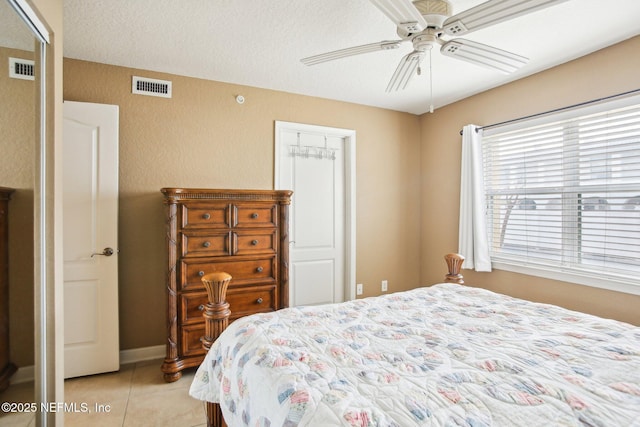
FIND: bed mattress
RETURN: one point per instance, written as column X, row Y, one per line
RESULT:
column 445, row 355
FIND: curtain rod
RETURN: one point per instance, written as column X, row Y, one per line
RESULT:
column 593, row 101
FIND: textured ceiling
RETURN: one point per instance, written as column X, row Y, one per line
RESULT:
column 260, row 43
column 13, row 32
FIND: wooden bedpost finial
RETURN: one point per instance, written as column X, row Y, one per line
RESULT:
column 454, row 264
column 216, row 319
column 216, row 310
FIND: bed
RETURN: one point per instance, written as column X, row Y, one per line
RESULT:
column 444, row 355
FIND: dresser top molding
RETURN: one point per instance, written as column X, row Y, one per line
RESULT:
column 177, row 194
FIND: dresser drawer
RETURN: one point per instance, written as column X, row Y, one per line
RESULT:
column 206, row 215
column 256, row 215
column 206, row 243
column 242, row 302
column 191, row 340
column 247, row 242
column 192, row 307
column 243, row 270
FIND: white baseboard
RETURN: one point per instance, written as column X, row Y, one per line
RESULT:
column 27, row 373
column 141, row 354
column 24, row 374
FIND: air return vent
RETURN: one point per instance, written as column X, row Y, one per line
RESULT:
column 151, row 87
column 21, row 69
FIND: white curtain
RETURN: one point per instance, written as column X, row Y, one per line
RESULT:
column 472, row 238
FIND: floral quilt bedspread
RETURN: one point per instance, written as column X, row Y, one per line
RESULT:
column 445, row 355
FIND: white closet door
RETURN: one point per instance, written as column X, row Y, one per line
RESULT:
column 311, row 162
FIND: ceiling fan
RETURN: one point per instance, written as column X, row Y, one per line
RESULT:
column 427, row 23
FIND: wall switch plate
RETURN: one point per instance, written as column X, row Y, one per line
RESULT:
column 359, row 289
column 385, row 286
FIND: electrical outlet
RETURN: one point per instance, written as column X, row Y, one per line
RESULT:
column 359, row 289
column 385, row 286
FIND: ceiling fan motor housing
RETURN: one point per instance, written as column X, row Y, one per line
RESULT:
column 435, row 12
column 425, row 41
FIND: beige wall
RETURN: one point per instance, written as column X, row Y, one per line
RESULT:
column 203, row 138
column 607, row 72
column 17, row 122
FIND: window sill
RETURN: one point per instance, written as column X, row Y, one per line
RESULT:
column 630, row 286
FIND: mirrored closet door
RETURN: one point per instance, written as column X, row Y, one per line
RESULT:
column 24, row 288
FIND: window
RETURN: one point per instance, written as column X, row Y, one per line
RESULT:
column 563, row 193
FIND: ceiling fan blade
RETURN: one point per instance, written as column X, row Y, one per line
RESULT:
column 403, row 13
column 492, row 12
column 483, row 55
column 405, row 71
column 351, row 51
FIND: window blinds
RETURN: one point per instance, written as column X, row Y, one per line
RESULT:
column 566, row 193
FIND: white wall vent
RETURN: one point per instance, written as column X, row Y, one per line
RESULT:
column 21, row 69
column 151, row 87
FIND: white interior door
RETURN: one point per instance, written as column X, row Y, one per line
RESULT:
column 90, row 212
column 312, row 161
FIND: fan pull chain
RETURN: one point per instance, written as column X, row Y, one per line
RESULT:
column 430, row 82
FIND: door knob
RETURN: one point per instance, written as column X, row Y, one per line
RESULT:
column 105, row 252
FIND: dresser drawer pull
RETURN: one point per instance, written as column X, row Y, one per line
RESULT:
column 254, row 215
column 206, row 244
column 254, row 242
column 259, row 300
column 200, row 273
column 201, row 307
column 206, row 216
column 259, row 269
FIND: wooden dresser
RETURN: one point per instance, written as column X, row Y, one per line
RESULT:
column 6, row 367
column 240, row 232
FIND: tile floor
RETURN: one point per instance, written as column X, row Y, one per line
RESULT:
column 135, row 396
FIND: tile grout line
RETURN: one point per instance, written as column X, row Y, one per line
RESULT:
column 126, row 406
